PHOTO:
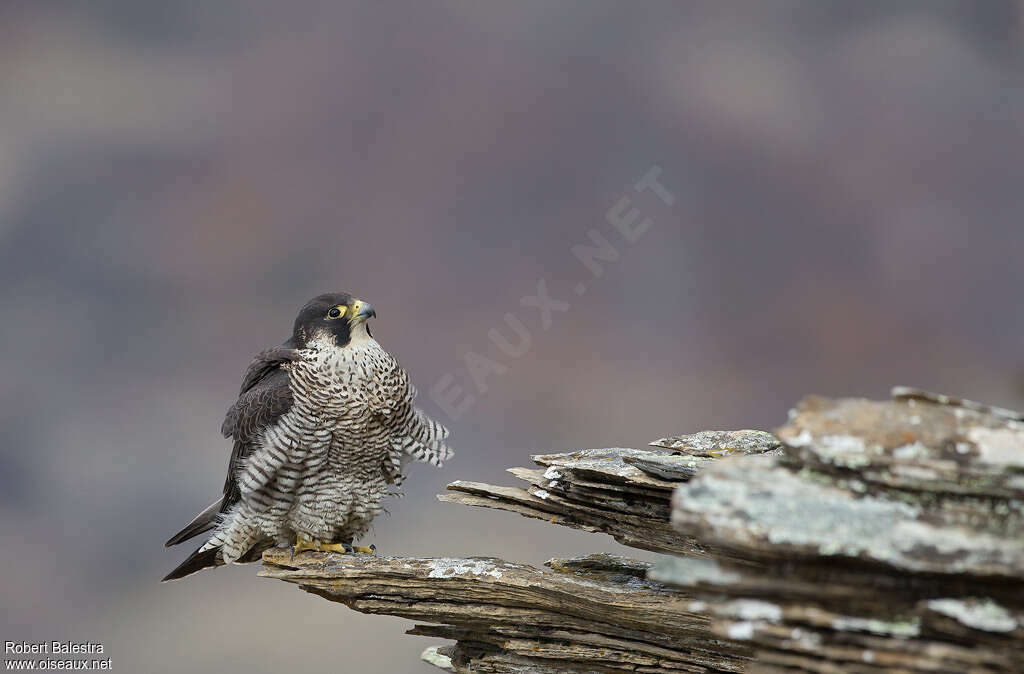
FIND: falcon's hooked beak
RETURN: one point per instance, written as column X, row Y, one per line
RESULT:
column 361, row 311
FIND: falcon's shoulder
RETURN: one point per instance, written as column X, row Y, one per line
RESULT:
column 264, row 396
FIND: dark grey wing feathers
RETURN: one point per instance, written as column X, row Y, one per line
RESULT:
column 263, row 398
column 197, row 561
column 256, row 409
column 204, row 521
column 265, row 395
column 264, row 365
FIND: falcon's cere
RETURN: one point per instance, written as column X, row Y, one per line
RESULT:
column 323, row 427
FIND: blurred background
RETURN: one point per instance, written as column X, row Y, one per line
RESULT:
column 178, row 178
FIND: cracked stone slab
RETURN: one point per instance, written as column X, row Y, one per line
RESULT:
column 595, row 490
column 909, row 444
column 911, row 393
column 589, row 614
column 888, row 536
column 716, row 444
column 769, row 511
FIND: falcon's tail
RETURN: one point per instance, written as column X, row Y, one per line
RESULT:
column 197, row 561
column 212, row 553
column 204, row 521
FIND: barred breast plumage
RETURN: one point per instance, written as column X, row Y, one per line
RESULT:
column 321, row 468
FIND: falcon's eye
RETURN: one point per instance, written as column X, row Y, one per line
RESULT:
column 336, row 312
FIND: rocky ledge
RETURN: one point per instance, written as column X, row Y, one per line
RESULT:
column 864, row 536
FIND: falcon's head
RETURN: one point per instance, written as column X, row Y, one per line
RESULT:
column 337, row 315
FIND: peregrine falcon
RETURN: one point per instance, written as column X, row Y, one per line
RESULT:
column 323, row 427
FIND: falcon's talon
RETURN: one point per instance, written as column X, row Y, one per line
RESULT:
column 370, row 549
column 303, row 544
column 342, row 548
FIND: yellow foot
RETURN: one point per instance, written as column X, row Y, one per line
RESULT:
column 303, row 544
column 348, row 549
column 341, row 548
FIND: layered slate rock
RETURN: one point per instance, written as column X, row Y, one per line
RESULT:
column 591, row 614
column 867, row 537
column 619, row 491
column 888, row 536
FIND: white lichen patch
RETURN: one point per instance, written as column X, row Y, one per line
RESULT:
column 446, row 567
column 692, row 571
column 1003, row 446
column 907, row 628
column 433, row 657
column 803, row 439
column 843, row 450
column 912, row 451
column 754, row 609
column 741, row 631
column 986, row 615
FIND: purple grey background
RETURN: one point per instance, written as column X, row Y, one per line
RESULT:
column 178, row 178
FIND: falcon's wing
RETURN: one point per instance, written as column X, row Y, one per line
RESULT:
column 263, row 398
column 413, row 433
column 424, row 439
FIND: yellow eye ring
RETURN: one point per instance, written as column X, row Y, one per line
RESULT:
column 336, row 312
